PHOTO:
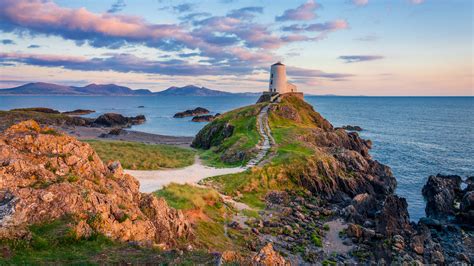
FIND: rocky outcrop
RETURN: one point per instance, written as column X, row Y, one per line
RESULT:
column 79, row 112
column 117, row 120
column 269, row 257
column 46, row 175
column 352, row 128
column 192, row 112
column 212, row 135
column 204, row 118
column 441, row 192
column 38, row 109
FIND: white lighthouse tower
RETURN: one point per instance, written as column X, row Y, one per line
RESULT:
column 278, row 81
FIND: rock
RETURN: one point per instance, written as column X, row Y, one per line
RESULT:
column 354, row 230
column 267, row 256
column 394, row 218
column 203, row 118
column 417, row 244
column 277, row 197
column 118, row 120
column 398, row 242
column 467, row 208
column 193, row 112
column 437, row 257
column 212, row 135
column 79, row 112
column 83, row 230
column 440, row 193
column 37, row 187
column 352, row 128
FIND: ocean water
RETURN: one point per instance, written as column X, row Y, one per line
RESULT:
column 415, row 136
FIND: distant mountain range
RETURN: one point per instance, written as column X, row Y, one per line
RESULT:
column 41, row 88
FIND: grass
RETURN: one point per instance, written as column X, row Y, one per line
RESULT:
column 54, row 243
column 208, row 212
column 244, row 138
column 140, row 156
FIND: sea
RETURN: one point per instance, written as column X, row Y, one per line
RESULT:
column 415, row 136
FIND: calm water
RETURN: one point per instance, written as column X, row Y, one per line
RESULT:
column 416, row 136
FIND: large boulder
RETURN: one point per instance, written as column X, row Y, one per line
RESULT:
column 441, row 192
column 118, row 120
column 46, row 175
column 192, row 112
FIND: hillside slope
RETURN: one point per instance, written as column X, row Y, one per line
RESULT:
column 321, row 198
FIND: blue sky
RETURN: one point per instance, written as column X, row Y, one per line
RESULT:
column 347, row 47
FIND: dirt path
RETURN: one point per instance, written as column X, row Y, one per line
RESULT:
column 152, row 180
column 332, row 242
column 268, row 141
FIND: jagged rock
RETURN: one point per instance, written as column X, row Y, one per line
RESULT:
column 440, row 193
column 203, row 118
column 118, row 120
column 352, row 128
column 79, row 112
column 49, row 176
column 467, row 208
column 394, row 218
column 267, row 256
column 354, row 230
column 193, row 112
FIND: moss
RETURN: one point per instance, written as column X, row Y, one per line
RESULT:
column 72, row 178
column 326, row 227
column 316, row 239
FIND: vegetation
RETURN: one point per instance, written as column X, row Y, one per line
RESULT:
column 9, row 118
column 243, row 140
column 208, row 213
column 139, row 156
column 54, row 243
column 289, row 122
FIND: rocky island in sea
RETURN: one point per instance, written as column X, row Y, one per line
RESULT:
column 305, row 193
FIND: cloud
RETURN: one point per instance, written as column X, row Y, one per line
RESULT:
column 246, row 12
column 297, row 72
column 318, row 27
column 118, row 6
column 367, row 38
column 221, row 41
column 33, row 46
column 360, row 2
column 416, row 2
column 126, row 63
column 183, row 8
column 7, row 42
column 303, row 12
column 359, row 58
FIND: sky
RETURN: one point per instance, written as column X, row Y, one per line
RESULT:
column 343, row 47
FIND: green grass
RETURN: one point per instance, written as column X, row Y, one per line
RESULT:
column 140, row 156
column 244, row 138
column 188, row 197
column 209, row 215
column 54, row 243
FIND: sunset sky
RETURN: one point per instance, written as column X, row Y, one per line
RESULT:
column 346, row 47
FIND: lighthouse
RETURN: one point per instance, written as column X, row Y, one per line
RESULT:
column 278, row 82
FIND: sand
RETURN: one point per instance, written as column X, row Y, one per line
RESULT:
column 152, row 180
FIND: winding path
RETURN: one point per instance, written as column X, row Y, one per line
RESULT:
column 152, row 180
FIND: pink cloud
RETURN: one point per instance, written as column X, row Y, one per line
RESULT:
column 303, row 12
column 360, row 2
